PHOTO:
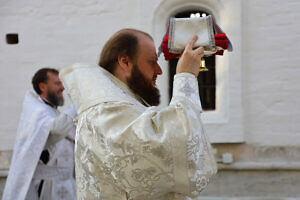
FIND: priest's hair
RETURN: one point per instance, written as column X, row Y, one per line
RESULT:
column 122, row 42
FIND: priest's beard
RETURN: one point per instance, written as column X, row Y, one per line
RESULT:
column 138, row 83
column 54, row 99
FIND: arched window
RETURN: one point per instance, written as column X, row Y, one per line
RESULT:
column 206, row 80
column 225, row 118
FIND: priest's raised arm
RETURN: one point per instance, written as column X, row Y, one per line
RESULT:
column 128, row 149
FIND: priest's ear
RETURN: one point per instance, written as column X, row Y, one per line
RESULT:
column 125, row 63
column 43, row 87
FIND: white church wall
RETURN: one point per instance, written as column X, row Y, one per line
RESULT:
column 59, row 33
column 260, row 78
column 51, row 33
column 271, row 84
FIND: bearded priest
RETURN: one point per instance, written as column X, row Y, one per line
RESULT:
column 42, row 165
column 126, row 146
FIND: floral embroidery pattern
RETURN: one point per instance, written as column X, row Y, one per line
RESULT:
column 194, row 147
column 137, row 179
column 201, row 183
column 124, row 163
column 187, row 89
column 146, row 177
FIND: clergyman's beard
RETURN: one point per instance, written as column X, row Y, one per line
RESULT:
column 139, row 85
column 55, row 100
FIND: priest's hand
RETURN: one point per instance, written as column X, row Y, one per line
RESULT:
column 190, row 58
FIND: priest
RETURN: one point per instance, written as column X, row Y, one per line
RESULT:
column 126, row 146
column 42, row 165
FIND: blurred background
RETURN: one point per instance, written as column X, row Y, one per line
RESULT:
column 250, row 96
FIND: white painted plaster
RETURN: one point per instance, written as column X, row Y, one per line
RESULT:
column 258, row 84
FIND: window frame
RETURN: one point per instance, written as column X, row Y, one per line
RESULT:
column 225, row 124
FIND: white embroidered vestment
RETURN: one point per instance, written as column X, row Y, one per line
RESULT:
column 125, row 150
column 41, row 127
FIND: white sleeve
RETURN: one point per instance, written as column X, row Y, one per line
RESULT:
column 70, row 111
column 61, row 127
